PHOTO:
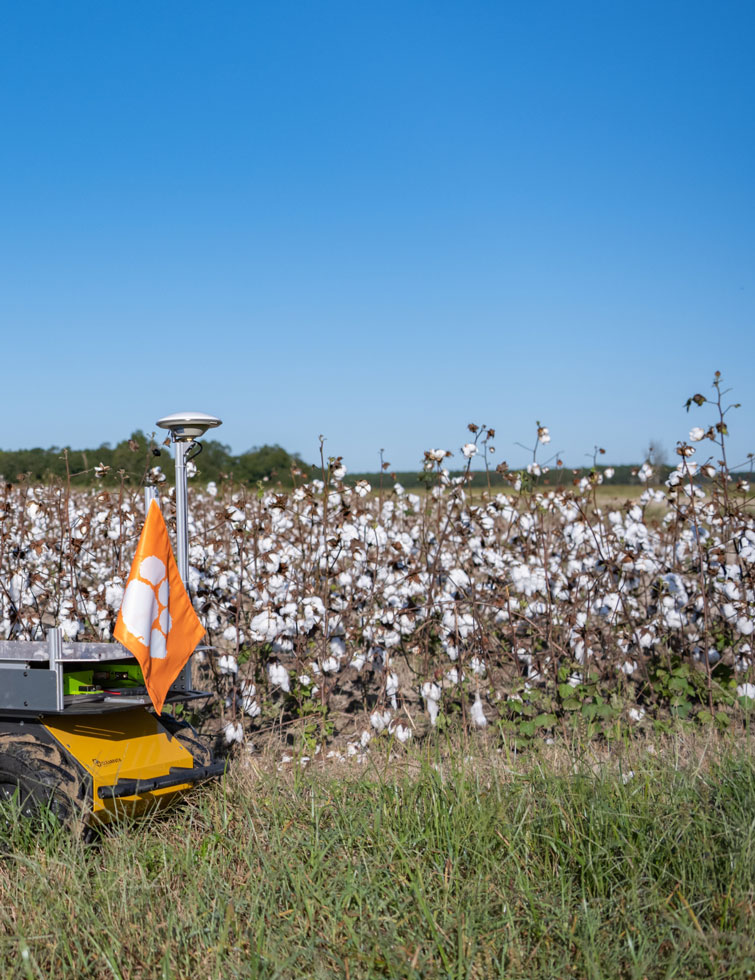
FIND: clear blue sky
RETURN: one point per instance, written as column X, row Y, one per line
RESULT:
column 377, row 221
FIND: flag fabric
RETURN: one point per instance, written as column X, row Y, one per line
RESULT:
column 157, row 622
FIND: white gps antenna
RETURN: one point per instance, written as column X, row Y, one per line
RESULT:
column 185, row 428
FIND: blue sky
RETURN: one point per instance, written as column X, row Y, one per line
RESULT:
column 377, row 221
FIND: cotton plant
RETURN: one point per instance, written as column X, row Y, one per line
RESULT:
column 344, row 585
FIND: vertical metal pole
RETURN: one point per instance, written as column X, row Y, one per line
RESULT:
column 182, row 523
column 183, row 681
column 55, row 655
column 150, row 494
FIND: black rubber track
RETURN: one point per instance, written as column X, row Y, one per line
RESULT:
column 40, row 775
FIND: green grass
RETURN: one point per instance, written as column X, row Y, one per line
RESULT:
column 484, row 870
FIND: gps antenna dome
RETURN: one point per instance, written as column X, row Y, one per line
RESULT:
column 186, row 426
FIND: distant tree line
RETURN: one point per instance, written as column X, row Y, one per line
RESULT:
column 142, row 459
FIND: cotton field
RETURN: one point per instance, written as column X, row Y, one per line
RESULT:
column 397, row 610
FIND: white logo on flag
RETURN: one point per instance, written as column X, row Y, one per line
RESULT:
column 145, row 606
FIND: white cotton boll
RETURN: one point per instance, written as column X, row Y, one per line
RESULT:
column 627, row 776
column 359, row 660
column 457, row 580
column 212, row 488
column 391, row 686
column 673, row 619
column 431, row 694
column 231, row 634
column 696, row 434
column 70, row 628
column 272, row 562
column 478, row 715
column 391, row 638
column 233, row 732
column 636, row 714
column 477, row 666
column 251, row 707
column 729, row 612
column 337, row 646
column 313, row 605
column 17, row 585
column 266, row 626
column 114, row 594
column 195, row 578
column 402, row 733
column 279, row 676
column 432, row 709
column 744, row 626
column 349, row 533
column 228, row 664
column 608, row 472
column 406, row 625
column 249, row 702
column 746, row 691
column 380, row 720
column 469, row 450
column 331, row 665
column 305, row 680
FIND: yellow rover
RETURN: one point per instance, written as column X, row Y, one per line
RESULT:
column 77, row 733
column 76, row 730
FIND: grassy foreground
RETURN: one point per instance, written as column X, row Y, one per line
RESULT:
column 408, row 869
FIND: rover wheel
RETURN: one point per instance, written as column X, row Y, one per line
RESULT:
column 41, row 778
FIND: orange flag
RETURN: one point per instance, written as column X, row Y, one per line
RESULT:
column 157, row 622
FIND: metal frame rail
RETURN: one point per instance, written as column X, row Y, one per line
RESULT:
column 26, row 687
